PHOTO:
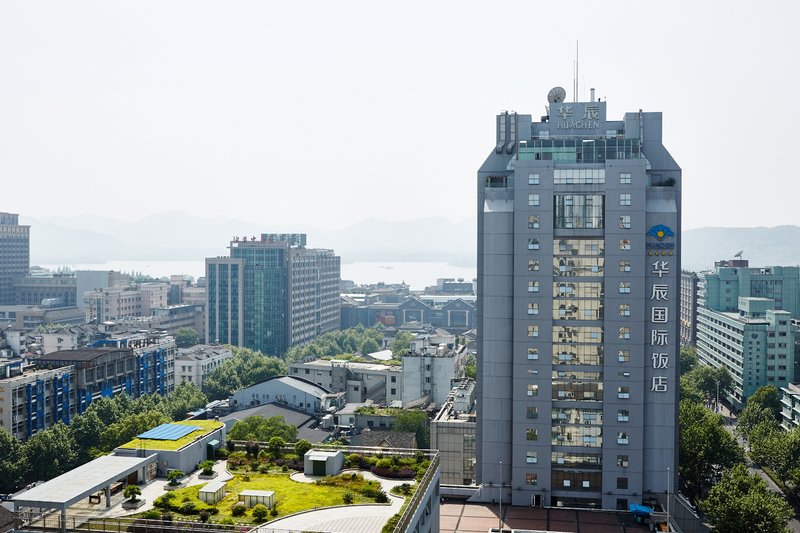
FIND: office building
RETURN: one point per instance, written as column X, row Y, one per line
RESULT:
column 453, row 434
column 59, row 290
column 744, row 324
column 688, row 308
column 117, row 302
column 578, row 291
column 14, row 255
column 430, row 372
column 196, row 363
column 272, row 293
column 361, row 382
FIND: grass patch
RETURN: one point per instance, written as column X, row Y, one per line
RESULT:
column 207, row 426
column 290, row 496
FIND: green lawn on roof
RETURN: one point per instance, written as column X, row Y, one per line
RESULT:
column 167, row 445
column 290, row 496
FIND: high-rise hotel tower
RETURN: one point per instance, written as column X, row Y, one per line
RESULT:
column 578, row 322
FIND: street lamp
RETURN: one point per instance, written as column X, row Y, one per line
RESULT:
column 668, row 483
column 716, row 406
column 500, row 512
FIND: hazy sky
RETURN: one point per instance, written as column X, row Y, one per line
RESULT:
column 327, row 113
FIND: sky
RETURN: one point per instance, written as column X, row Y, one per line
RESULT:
column 328, row 113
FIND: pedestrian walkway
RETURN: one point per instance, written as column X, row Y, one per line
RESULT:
column 368, row 518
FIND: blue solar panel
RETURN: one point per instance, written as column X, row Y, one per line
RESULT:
column 168, row 432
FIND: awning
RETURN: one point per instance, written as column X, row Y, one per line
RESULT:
column 640, row 509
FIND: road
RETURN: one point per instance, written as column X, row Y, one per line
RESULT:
column 794, row 523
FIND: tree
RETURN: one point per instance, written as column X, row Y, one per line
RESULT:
column 50, row 453
column 742, row 502
column 766, row 397
column 753, row 415
column 706, row 448
column 401, row 343
column 301, row 447
column 275, row 446
column 132, row 492
column 262, row 429
column 260, row 512
column 13, row 462
column 688, row 359
column 87, row 431
column 414, row 422
column 245, row 368
column 689, row 390
column 471, row 367
column 185, row 398
column 186, row 337
column 706, row 379
column 368, row 346
column 130, row 426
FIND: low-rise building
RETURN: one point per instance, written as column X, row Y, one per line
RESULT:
column 360, row 381
column 196, row 363
column 31, row 290
column 114, row 303
column 453, row 434
column 32, row 400
column 431, row 372
column 29, row 317
column 293, row 391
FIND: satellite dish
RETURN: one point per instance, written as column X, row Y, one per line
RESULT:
column 556, row 95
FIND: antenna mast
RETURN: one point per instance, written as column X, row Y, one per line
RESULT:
column 575, row 81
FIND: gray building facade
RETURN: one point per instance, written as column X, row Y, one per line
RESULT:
column 578, row 326
column 14, row 255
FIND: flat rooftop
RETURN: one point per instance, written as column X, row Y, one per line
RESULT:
column 78, row 483
column 204, row 428
column 80, row 355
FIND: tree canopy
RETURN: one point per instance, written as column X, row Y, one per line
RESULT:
column 688, row 358
column 741, row 502
column 262, row 429
column 246, row 367
column 401, row 343
column 414, row 422
column 706, row 447
column 186, row 337
column 766, row 397
column 705, row 379
column 334, row 343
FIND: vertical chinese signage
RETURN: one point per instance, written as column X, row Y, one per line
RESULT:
column 660, row 292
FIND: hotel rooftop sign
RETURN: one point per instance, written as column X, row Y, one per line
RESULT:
column 578, row 118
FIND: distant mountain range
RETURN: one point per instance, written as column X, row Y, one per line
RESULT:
column 177, row 236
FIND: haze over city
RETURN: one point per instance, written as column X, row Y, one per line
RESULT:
column 326, row 114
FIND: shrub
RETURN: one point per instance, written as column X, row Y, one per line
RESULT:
column 404, row 489
column 263, row 455
column 221, row 453
column 276, row 445
column 190, row 507
column 301, row 447
column 132, row 492
column 174, row 476
column 273, row 512
column 353, row 460
column 384, row 463
column 204, row 516
column 228, row 521
column 237, row 458
column 164, row 501
column 348, row 498
column 381, row 497
column 166, row 516
column 353, row 476
column 239, row 510
column 263, row 469
column 260, row 512
column 152, row 514
column 231, row 445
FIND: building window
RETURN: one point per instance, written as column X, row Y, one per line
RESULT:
column 622, row 483
column 624, row 332
column 533, row 308
column 567, row 483
column 624, row 356
column 531, row 478
column 585, row 484
column 624, row 266
column 625, row 244
column 533, row 331
column 533, row 390
column 625, row 178
column 394, row 379
column 622, row 438
column 533, row 244
column 625, row 222
column 533, row 286
column 624, row 309
column 531, row 458
column 533, row 354
column 623, row 415
column 625, row 199
column 624, row 287
column 622, row 461
column 533, row 221
column 533, row 265
column 532, row 434
column 623, row 392
column 533, row 199
column 533, row 412
column 533, row 179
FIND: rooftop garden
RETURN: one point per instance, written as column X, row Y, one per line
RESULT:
column 378, row 411
column 206, row 427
